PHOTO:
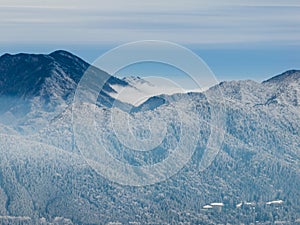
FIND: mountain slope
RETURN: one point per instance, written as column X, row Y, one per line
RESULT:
column 30, row 75
column 254, row 178
column 42, row 86
column 258, row 163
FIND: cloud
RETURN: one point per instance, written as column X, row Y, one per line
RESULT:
column 195, row 21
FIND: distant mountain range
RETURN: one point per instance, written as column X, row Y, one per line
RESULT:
column 45, row 179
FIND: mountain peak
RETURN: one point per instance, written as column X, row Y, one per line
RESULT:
column 5, row 55
column 63, row 54
column 29, row 75
column 288, row 75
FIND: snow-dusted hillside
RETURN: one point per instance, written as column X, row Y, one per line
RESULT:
column 35, row 89
column 45, row 179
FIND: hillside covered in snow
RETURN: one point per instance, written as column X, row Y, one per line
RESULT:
column 48, row 175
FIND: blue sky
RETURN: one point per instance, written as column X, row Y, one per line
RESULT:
column 237, row 39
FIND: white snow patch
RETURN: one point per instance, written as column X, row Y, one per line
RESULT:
column 250, row 203
column 274, row 202
column 220, row 204
column 19, row 218
column 239, row 205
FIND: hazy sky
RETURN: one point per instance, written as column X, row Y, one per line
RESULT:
column 221, row 33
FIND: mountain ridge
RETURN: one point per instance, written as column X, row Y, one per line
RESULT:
column 285, row 75
column 26, row 70
column 254, row 177
column 21, row 71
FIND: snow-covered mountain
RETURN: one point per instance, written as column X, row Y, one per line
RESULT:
column 34, row 89
column 45, row 179
column 47, row 76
